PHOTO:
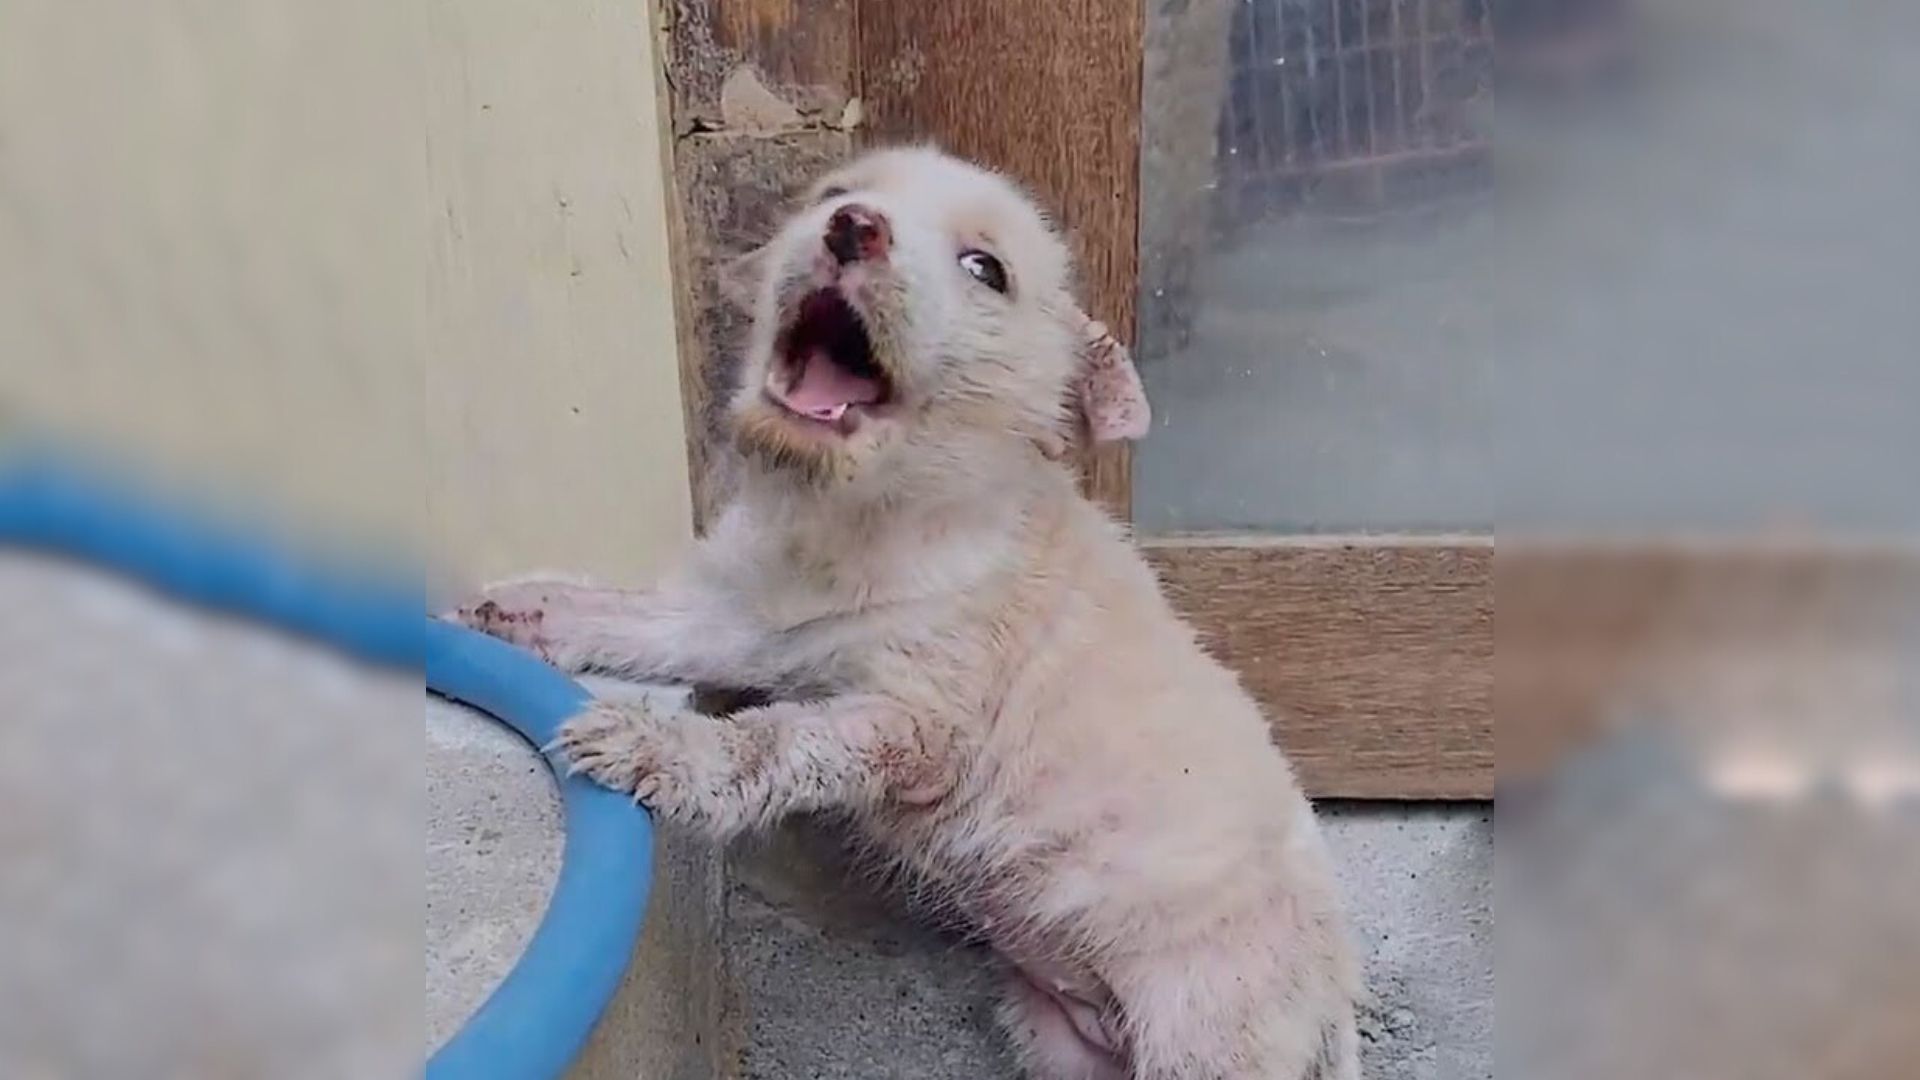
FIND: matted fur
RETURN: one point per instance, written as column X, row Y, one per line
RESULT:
column 975, row 665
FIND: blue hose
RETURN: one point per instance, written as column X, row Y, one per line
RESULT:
column 537, row 1021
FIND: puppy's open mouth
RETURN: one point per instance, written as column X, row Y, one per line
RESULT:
column 824, row 368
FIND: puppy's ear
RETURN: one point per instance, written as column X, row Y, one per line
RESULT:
column 741, row 277
column 1106, row 388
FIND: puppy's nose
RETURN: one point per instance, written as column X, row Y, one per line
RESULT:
column 856, row 233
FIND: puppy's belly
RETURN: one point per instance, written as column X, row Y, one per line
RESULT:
column 991, row 902
column 1085, row 1000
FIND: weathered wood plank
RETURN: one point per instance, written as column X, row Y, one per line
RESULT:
column 1374, row 655
column 1048, row 93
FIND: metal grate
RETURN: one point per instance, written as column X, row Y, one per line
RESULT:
column 1354, row 99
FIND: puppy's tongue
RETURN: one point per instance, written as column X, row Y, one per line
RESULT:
column 824, row 389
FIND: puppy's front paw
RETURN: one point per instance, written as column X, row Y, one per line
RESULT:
column 515, row 613
column 626, row 748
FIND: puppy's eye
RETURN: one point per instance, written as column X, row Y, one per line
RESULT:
column 985, row 269
column 829, row 194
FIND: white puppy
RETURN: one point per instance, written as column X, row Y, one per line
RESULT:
column 966, row 657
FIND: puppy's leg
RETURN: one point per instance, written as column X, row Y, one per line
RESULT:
column 680, row 633
column 1046, row 1040
column 729, row 774
column 1230, row 1012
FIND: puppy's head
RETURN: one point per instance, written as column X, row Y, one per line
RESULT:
column 918, row 312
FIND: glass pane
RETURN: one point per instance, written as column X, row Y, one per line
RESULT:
column 1418, row 265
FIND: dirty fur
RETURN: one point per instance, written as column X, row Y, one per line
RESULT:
column 970, row 661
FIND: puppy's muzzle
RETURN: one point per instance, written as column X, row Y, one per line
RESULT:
column 857, row 233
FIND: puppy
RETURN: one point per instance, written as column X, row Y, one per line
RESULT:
column 967, row 658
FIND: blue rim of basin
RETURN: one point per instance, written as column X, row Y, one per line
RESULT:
column 536, row 1022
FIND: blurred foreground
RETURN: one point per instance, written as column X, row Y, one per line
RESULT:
column 210, row 849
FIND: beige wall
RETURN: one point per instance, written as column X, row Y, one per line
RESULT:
column 211, row 241
column 398, row 264
column 554, row 431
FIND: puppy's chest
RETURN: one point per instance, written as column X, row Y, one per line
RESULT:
column 990, row 865
column 850, row 649
column 918, row 649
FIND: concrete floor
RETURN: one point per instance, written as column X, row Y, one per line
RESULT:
column 838, row 985
column 493, row 854
column 1419, row 885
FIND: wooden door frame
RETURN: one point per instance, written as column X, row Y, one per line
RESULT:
column 1374, row 654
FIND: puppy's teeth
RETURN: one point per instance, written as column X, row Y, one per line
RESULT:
column 837, row 411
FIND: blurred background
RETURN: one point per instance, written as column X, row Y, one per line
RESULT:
column 1539, row 376
column 1630, row 283
column 1556, row 264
